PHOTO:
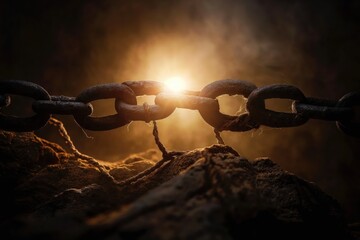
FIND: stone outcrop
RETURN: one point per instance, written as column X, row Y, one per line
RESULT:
column 208, row 193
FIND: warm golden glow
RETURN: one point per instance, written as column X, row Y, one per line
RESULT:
column 175, row 84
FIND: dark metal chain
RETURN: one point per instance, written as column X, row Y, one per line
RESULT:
column 344, row 111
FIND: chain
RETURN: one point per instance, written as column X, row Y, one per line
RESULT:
column 343, row 111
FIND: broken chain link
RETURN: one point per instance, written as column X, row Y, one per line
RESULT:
column 124, row 94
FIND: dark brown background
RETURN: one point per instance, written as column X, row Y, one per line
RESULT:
column 68, row 46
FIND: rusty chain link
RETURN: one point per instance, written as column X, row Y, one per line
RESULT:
column 256, row 106
column 146, row 112
column 26, row 89
column 344, row 111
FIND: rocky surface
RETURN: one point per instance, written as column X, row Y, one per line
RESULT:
column 209, row 193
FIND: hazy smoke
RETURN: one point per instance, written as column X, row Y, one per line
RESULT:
column 69, row 46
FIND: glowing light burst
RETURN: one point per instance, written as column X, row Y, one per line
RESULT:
column 175, row 84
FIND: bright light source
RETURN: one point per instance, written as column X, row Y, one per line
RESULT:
column 175, row 84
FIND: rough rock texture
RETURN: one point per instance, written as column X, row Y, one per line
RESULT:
column 210, row 193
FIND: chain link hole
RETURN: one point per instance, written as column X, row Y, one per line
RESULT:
column 231, row 105
column 145, row 99
column 279, row 105
column 103, row 107
column 20, row 106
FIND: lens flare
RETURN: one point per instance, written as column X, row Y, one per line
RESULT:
column 175, row 84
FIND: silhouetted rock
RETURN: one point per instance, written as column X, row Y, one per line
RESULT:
column 209, row 193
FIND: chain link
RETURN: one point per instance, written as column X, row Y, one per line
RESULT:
column 220, row 121
column 124, row 94
column 146, row 112
column 104, row 91
column 256, row 106
column 26, row 89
